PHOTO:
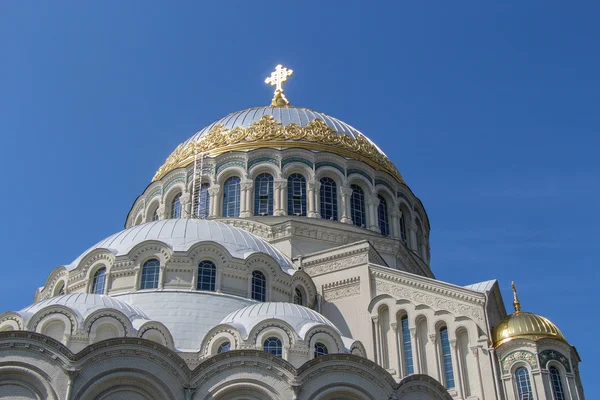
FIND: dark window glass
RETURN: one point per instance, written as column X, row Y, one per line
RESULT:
column 557, row 386
column 259, row 286
column 263, row 195
column 357, row 206
column 407, row 347
column 207, row 273
column 176, row 207
column 224, row 347
column 231, row 197
column 296, row 195
column 203, row 205
column 447, row 359
column 382, row 214
column 99, row 281
column 320, row 350
column 150, row 273
column 403, row 229
column 328, row 199
column 298, row 297
column 273, row 346
column 523, row 384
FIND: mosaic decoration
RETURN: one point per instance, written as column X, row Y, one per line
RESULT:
column 330, row 164
column 262, row 160
column 549, row 355
column 296, row 159
column 236, row 163
column 519, row 355
column 358, row 171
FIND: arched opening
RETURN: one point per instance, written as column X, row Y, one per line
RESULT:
column 357, row 206
column 99, row 281
column 523, row 383
column 224, row 347
column 263, row 194
column 259, row 286
column 207, row 275
column 556, row 381
column 272, row 345
column 297, row 195
column 231, row 197
column 446, row 355
column 55, row 330
column 320, row 350
column 465, row 360
column 328, row 199
column 422, row 338
column 298, row 297
column 202, row 205
column 176, row 206
column 382, row 216
column 384, row 326
column 150, row 274
column 407, row 354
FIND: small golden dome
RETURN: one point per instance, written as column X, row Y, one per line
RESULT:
column 525, row 325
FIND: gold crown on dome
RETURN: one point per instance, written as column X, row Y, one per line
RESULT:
column 268, row 132
column 525, row 325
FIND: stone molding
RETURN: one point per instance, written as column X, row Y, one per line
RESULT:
column 342, row 289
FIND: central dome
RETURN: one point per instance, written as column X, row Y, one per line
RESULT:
column 280, row 128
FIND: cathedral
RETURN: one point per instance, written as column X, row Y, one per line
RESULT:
column 276, row 254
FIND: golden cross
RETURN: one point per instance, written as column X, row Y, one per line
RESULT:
column 276, row 79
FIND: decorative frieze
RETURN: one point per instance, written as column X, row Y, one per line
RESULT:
column 342, row 289
column 519, row 355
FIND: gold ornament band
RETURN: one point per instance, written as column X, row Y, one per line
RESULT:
column 267, row 132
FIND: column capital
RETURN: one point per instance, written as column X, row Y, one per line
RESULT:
column 214, row 189
column 453, row 343
column 375, row 320
column 394, row 326
column 345, row 191
column 432, row 337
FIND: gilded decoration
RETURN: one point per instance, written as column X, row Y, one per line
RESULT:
column 267, row 132
column 519, row 355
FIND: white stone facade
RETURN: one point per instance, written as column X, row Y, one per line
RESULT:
column 351, row 312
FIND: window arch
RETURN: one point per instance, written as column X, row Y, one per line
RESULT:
column 207, row 274
column 224, row 347
column 155, row 215
column 523, row 384
column 231, row 197
column 557, row 386
column 176, row 206
column 446, row 359
column 202, row 206
column 357, row 206
column 328, row 199
column 382, row 216
column 99, row 281
column 297, row 195
column 407, row 347
column 259, row 286
column 59, row 289
column 403, row 232
column 298, row 298
column 150, row 273
column 263, row 194
column 320, row 350
column 273, row 346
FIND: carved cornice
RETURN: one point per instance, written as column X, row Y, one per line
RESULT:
column 342, row 289
column 316, row 135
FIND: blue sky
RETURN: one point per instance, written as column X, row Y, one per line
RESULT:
column 490, row 112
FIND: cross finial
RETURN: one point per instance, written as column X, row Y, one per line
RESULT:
column 276, row 79
column 516, row 302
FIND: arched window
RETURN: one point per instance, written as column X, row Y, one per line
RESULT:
column 523, row 384
column 155, row 215
column 320, row 350
column 207, row 274
column 296, row 195
column 259, row 286
column 224, row 347
column 328, row 199
column 357, row 206
column 298, row 297
column 60, row 289
column 203, row 204
column 176, row 207
column 99, row 281
column 557, row 386
column 403, row 234
column 231, row 197
column 263, row 194
column 446, row 359
column 382, row 215
column 407, row 347
column 150, row 272
column 273, row 346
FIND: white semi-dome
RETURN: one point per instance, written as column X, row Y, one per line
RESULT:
column 181, row 234
column 298, row 317
column 84, row 304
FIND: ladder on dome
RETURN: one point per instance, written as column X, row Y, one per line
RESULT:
column 197, row 187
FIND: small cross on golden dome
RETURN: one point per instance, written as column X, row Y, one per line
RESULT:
column 276, row 79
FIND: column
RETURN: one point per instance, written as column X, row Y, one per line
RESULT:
column 345, row 193
column 377, row 349
column 480, row 394
column 317, row 193
column 311, row 200
column 186, row 203
column 456, row 366
column 396, row 215
column 278, row 203
column 161, row 211
column 214, row 202
column 245, row 199
column 283, row 197
column 394, row 326
column 372, row 207
column 436, row 355
column 415, row 351
column 413, row 236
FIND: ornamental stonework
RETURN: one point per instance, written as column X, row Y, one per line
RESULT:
column 335, row 265
column 342, row 289
column 519, row 355
column 549, row 355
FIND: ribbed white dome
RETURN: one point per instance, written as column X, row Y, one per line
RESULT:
column 298, row 317
column 181, row 234
column 84, row 304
